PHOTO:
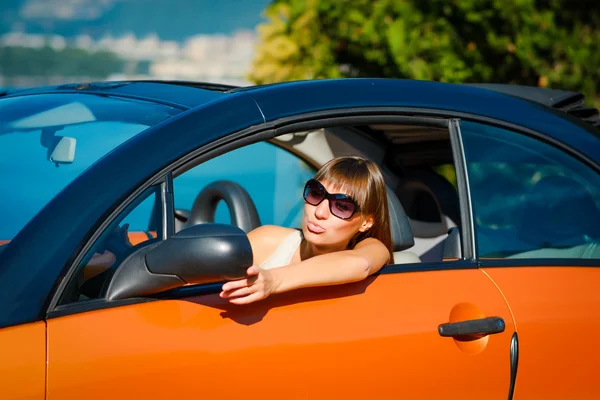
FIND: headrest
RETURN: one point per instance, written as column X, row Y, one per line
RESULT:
column 402, row 237
column 431, row 203
column 559, row 211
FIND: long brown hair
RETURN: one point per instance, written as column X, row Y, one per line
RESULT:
column 361, row 178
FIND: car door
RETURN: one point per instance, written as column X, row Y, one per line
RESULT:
column 379, row 338
column 538, row 231
column 374, row 339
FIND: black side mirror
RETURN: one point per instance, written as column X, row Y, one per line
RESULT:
column 199, row 254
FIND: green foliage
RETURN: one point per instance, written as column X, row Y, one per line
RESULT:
column 46, row 62
column 547, row 43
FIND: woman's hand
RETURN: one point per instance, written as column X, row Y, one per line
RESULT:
column 259, row 284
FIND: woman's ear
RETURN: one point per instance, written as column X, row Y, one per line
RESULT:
column 367, row 223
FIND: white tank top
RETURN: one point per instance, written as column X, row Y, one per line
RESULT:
column 284, row 252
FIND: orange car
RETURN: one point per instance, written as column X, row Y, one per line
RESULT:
column 125, row 205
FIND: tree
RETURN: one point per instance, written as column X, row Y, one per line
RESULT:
column 546, row 43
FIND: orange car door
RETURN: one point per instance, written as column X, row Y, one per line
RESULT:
column 23, row 362
column 374, row 339
column 556, row 310
column 538, row 232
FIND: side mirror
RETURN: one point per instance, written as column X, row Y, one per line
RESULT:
column 203, row 253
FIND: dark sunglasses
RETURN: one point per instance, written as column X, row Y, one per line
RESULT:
column 340, row 205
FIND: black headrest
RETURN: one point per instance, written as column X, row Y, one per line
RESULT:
column 402, row 237
column 559, row 211
column 429, row 199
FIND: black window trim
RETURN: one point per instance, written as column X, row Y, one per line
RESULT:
column 167, row 207
column 312, row 120
column 468, row 231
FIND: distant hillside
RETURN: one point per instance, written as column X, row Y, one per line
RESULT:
column 47, row 62
column 169, row 19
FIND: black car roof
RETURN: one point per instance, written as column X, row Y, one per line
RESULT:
column 178, row 93
column 190, row 94
column 570, row 102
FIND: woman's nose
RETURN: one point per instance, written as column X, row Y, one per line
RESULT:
column 322, row 210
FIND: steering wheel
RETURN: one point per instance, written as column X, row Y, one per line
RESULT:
column 242, row 210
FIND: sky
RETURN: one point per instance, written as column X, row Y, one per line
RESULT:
column 169, row 19
column 202, row 40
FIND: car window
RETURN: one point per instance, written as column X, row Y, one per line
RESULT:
column 273, row 177
column 48, row 140
column 530, row 199
column 136, row 226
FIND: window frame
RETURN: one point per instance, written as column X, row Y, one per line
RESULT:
column 245, row 137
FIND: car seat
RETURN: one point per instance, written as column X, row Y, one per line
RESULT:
column 431, row 204
column 559, row 220
column 402, row 237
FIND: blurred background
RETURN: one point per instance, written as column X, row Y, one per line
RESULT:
column 546, row 43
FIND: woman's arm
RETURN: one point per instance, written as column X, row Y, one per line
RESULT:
column 328, row 269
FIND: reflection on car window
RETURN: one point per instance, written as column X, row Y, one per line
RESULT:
column 273, row 177
column 47, row 140
column 530, row 199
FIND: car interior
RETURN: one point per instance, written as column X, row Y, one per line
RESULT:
column 418, row 167
column 416, row 162
column 423, row 202
column 412, row 159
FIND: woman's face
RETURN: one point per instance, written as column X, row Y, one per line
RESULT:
column 321, row 228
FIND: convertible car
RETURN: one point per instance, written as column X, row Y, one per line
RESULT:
column 125, row 206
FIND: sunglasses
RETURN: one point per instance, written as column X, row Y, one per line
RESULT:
column 340, row 205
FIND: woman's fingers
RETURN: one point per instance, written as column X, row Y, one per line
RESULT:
column 251, row 298
column 237, row 292
column 253, row 270
column 235, row 285
column 251, row 286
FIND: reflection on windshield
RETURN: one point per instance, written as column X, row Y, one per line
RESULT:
column 47, row 140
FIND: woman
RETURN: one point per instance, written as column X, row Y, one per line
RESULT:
column 345, row 235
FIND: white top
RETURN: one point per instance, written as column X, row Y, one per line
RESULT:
column 284, row 252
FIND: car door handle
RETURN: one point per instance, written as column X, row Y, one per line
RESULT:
column 473, row 327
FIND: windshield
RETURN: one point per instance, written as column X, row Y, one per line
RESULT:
column 47, row 140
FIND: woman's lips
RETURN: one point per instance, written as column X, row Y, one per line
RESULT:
column 314, row 228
